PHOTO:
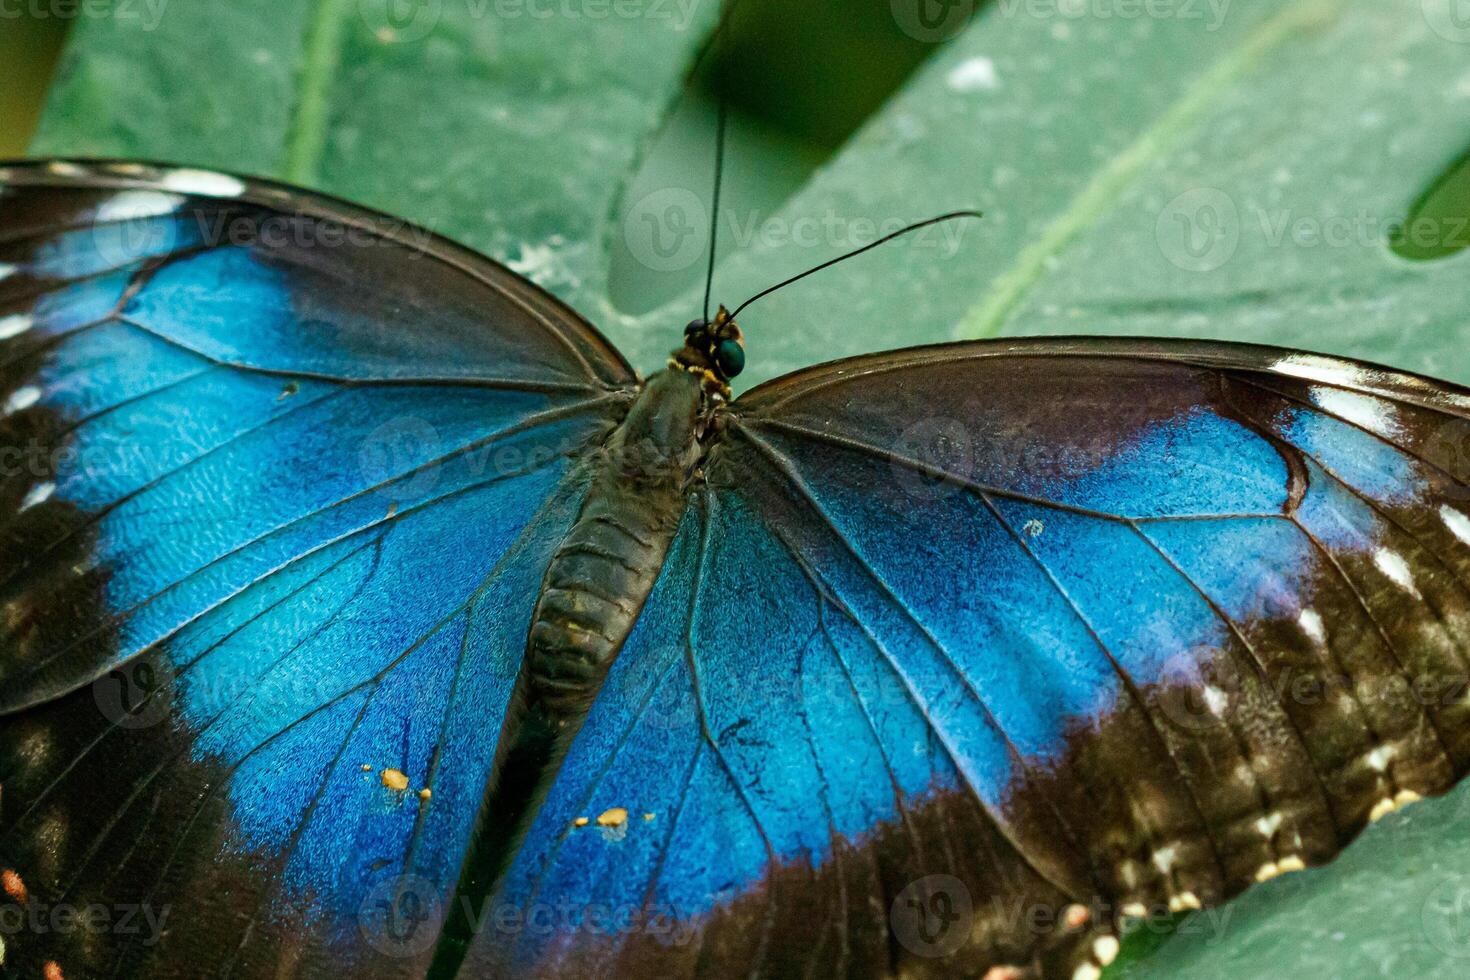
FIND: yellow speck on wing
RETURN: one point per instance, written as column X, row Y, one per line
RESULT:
column 52, row 971
column 648, row 816
column 425, row 793
column 614, row 817
column 394, row 779
column 580, row 822
column 366, row 767
column 13, row 886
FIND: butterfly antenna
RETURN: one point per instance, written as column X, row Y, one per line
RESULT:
column 951, row 216
column 714, row 213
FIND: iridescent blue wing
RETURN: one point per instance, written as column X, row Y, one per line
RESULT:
column 280, row 480
column 965, row 653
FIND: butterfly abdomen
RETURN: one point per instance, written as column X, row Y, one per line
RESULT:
column 601, row 575
column 594, row 589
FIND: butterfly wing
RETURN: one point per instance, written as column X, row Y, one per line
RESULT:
column 281, row 478
column 957, row 637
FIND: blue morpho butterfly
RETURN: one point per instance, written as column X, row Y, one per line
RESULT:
column 363, row 614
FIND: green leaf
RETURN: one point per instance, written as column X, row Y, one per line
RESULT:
column 1199, row 168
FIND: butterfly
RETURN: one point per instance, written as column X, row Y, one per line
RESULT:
column 364, row 614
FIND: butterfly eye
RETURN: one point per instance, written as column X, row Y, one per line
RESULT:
column 730, row 358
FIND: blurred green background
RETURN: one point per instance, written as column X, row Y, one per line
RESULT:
column 29, row 45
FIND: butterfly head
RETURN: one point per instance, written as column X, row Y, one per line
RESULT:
column 714, row 350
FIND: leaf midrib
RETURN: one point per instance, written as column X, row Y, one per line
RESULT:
column 306, row 134
column 988, row 317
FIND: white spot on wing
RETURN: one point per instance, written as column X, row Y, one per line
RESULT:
column 973, row 75
column 1328, row 370
column 1324, row 369
column 15, row 325
column 1164, row 859
column 65, row 168
column 1373, row 414
column 1311, row 623
column 6, row 271
column 21, row 399
column 1457, row 522
column 1215, row 700
column 133, row 205
column 1392, row 564
column 204, row 183
column 1268, row 825
column 1380, row 757
column 39, row 495
column 1184, row 902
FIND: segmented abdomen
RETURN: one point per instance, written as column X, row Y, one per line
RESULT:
column 594, row 589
